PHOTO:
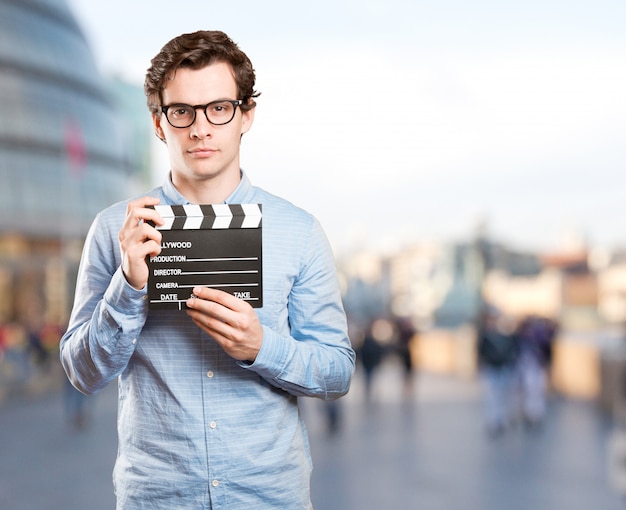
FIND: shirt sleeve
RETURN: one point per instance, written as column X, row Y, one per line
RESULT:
column 317, row 359
column 107, row 317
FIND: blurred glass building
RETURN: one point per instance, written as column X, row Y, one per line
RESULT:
column 64, row 155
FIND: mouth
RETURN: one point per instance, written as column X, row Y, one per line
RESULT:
column 202, row 152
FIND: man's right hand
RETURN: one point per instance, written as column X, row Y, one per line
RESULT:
column 138, row 239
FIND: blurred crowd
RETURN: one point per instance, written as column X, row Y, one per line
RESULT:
column 514, row 361
column 513, row 358
column 26, row 350
column 382, row 338
column 29, row 362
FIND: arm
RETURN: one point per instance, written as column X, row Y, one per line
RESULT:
column 316, row 359
column 109, row 312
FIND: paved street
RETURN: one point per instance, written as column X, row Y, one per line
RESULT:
column 428, row 453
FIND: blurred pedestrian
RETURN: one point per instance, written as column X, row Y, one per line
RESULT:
column 77, row 407
column 536, row 337
column 371, row 354
column 16, row 355
column 406, row 335
column 37, row 351
column 498, row 352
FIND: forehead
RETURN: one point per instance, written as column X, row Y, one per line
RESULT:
column 197, row 86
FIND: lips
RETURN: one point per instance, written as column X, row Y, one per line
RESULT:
column 202, row 152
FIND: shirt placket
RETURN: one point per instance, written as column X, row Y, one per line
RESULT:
column 214, row 447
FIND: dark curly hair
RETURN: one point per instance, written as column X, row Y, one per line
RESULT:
column 195, row 51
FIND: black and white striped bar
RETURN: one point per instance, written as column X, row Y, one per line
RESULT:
column 217, row 245
column 212, row 216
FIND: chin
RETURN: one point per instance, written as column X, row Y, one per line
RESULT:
column 205, row 173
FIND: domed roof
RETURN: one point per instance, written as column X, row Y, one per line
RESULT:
column 61, row 157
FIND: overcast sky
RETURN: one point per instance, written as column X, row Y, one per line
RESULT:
column 408, row 120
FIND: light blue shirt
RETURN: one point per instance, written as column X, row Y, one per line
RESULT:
column 196, row 428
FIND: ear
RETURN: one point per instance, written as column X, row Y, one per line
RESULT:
column 158, row 130
column 247, row 119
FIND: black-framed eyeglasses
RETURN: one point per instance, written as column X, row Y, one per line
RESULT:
column 218, row 113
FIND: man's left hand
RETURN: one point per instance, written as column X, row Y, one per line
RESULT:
column 229, row 320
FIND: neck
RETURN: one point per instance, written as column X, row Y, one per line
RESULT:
column 206, row 190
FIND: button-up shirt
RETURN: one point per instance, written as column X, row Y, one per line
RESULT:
column 196, row 428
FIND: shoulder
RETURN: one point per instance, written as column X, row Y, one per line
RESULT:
column 277, row 210
column 276, row 202
column 289, row 231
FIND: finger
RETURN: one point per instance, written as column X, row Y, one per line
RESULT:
column 138, row 211
column 206, row 307
column 207, row 321
column 216, row 328
column 140, row 234
column 146, row 232
column 218, row 296
column 149, row 242
column 143, row 201
column 212, row 314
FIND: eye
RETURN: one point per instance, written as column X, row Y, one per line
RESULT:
column 180, row 110
column 222, row 108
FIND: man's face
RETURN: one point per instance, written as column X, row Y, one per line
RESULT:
column 202, row 151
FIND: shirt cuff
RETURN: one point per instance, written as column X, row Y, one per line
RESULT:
column 124, row 300
column 271, row 359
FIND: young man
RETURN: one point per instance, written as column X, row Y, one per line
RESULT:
column 208, row 396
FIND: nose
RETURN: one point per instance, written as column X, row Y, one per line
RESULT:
column 201, row 127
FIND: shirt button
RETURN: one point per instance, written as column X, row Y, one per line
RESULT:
column 144, row 297
column 134, row 341
column 215, row 483
column 212, row 424
column 210, row 374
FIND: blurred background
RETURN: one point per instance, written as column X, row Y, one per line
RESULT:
column 462, row 157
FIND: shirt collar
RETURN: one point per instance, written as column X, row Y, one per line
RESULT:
column 238, row 196
column 172, row 195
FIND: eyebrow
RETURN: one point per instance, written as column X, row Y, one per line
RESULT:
column 201, row 104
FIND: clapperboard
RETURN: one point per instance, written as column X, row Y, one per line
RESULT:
column 216, row 246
